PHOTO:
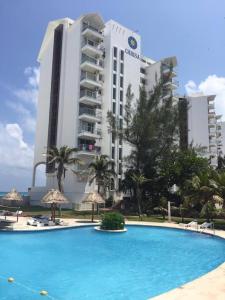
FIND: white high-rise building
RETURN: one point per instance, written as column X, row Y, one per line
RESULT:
column 204, row 126
column 86, row 66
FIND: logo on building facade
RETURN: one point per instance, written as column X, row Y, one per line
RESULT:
column 132, row 42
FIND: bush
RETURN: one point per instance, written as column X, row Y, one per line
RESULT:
column 112, row 221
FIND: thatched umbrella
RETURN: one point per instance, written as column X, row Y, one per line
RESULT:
column 13, row 196
column 54, row 197
column 218, row 201
column 93, row 198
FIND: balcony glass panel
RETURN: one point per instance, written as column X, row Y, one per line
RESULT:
column 88, row 93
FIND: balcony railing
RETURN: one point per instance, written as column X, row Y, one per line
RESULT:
column 91, row 43
column 89, row 130
column 88, row 75
column 86, row 25
column 92, row 60
column 89, row 148
column 88, row 93
column 87, row 111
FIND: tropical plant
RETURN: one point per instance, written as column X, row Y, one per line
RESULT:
column 162, row 207
column 202, row 193
column 101, row 171
column 139, row 180
column 112, row 221
column 62, row 158
column 219, row 177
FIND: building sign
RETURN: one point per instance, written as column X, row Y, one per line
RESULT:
column 131, row 53
column 132, row 42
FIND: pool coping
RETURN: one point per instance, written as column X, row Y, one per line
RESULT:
column 206, row 287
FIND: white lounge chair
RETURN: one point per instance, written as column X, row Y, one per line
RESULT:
column 192, row 224
column 32, row 222
column 18, row 213
column 206, row 225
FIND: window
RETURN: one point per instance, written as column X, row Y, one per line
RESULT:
column 120, row 183
column 121, row 109
column 121, row 82
column 121, row 55
column 112, row 184
column 121, row 68
column 113, row 138
column 113, row 152
column 114, row 79
column 114, row 52
column 121, row 96
column 142, row 70
column 114, row 107
column 114, row 93
column 120, row 169
column 121, row 123
column 143, row 81
column 114, row 65
column 120, row 153
column 120, row 141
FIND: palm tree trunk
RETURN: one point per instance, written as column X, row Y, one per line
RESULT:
column 139, row 201
column 93, row 210
column 97, row 208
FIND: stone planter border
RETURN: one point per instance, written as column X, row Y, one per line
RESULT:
column 111, row 231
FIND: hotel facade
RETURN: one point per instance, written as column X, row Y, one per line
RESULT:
column 86, row 66
column 203, row 127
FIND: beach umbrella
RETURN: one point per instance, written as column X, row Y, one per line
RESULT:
column 218, row 201
column 93, row 198
column 13, row 196
column 54, row 197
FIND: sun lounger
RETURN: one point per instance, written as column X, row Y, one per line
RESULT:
column 18, row 213
column 32, row 222
column 206, row 225
column 60, row 222
column 192, row 224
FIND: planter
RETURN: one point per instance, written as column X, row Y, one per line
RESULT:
column 112, row 231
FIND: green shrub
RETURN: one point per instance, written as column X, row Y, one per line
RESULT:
column 112, row 221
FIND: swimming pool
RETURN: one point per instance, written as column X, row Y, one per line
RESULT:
column 84, row 264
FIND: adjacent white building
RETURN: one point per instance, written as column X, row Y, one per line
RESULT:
column 204, row 126
column 86, row 66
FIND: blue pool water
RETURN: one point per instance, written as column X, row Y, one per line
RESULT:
column 82, row 264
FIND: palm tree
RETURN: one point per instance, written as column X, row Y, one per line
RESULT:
column 220, row 180
column 138, row 180
column 101, row 171
column 63, row 158
column 203, row 191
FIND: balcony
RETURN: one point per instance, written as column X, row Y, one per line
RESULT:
column 91, row 32
column 172, row 85
column 89, row 115
column 90, row 80
column 212, row 142
column 89, row 133
column 91, row 64
column 212, row 124
column 89, row 97
column 87, row 150
column 167, row 72
column 212, row 133
column 91, row 48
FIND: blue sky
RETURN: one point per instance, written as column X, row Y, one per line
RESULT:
column 193, row 30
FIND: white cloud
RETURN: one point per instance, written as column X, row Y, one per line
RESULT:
column 28, row 120
column 15, row 153
column 29, row 94
column 212, row 85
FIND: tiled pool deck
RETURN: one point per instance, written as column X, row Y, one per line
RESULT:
column 211, row 286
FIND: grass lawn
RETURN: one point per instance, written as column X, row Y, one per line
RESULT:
column 69, row 213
